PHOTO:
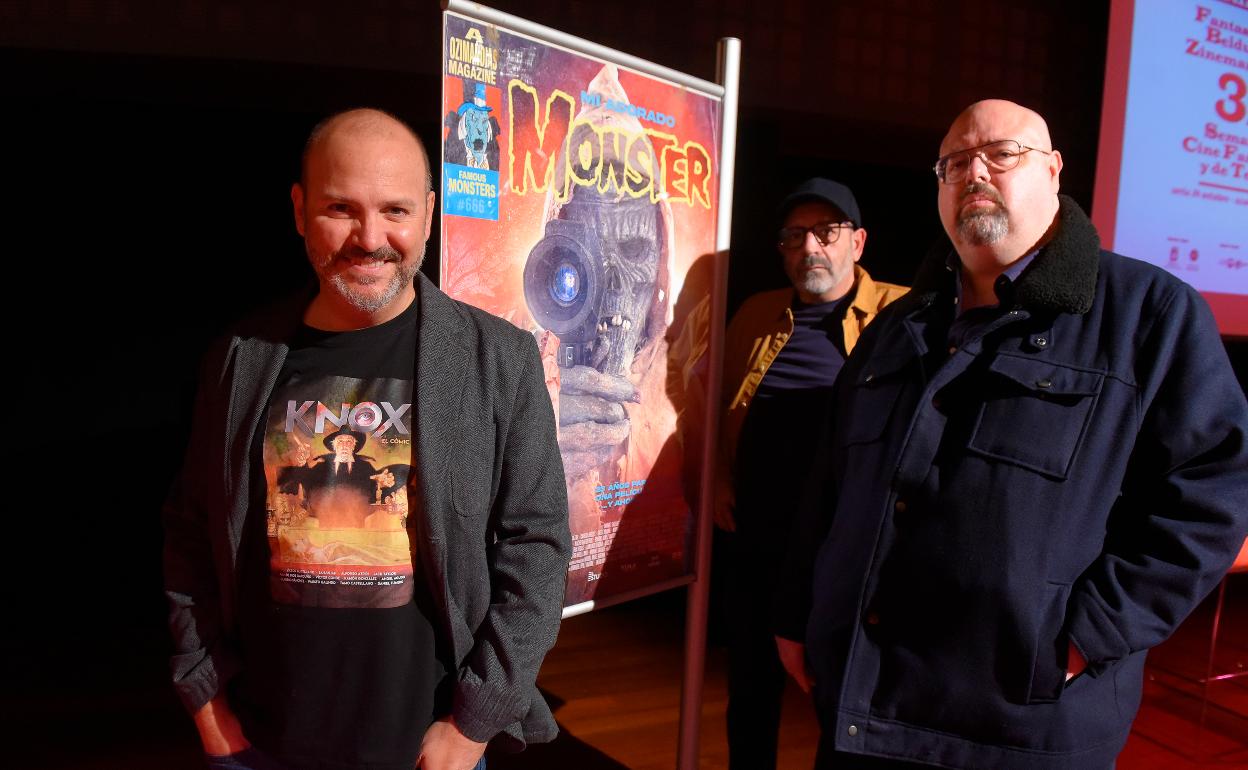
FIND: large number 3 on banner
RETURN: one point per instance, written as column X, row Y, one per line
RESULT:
column 1232, row 108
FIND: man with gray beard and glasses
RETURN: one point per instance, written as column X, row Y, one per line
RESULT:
column 783, row 351
column 1036, row 466
column 385, row 610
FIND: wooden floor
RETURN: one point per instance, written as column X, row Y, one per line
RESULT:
column 101, row 700
column 614, row 682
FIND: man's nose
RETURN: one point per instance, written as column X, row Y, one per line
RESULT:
column 811, row 244
column 978, row 170
column 370, row 233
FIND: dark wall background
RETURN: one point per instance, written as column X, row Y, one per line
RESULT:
column 148, row 149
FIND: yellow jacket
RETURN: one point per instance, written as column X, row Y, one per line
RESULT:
column 756, row 335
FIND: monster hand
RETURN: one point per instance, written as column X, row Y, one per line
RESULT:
column 592, row 420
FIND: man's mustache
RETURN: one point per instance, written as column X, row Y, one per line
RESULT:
column 984, row 189
column 382, row 254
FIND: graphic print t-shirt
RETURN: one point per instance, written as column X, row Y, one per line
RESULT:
column 337, row 456
column 340, row 666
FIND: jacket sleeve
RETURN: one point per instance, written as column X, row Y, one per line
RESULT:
column 1183, row 512
column 202, row 662
column 528, row 563
column 740, row 349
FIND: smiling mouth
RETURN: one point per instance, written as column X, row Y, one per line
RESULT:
column 365, row 262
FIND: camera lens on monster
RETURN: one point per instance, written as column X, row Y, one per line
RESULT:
column 565, row 284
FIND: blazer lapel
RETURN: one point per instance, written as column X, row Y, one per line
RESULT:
column 441, row 364
column 257, row 364
column 260, row 348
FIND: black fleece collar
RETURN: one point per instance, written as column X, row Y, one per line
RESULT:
column 1061, row 279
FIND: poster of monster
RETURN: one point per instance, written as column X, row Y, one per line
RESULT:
column 579, row 203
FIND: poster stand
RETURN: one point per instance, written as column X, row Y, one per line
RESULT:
column 728, row 72
column 485, row 174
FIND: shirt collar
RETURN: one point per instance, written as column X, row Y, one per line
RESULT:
column 1003, row 286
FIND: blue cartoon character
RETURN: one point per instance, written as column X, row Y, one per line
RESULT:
column 475, row 131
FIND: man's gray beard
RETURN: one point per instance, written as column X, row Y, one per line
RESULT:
column 816, row 283
column 820, row 283
column 368, row 303
column 984, row 227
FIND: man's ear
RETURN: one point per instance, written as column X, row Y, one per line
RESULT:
column 860, row 242
column 431, row 200
column 296, row 200
column 1055, row 169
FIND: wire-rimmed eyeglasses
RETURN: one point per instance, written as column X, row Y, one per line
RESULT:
column 1001, row 155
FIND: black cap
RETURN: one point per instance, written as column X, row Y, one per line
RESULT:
column 819, row 189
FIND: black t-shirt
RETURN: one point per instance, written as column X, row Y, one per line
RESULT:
column 340, row 661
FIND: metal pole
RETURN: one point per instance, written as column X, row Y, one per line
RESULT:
column 728, row 74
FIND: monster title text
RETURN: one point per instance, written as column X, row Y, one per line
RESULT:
column 549, row 149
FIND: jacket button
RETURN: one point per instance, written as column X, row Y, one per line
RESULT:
column 953, row 349
column 1044, row 383
column 853, row 730
column 1040, row 342
column 900, row 506
column 873, row 618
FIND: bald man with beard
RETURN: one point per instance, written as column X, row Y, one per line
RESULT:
column 338, row 617
column 1037, row 467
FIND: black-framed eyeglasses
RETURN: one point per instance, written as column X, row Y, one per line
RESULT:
column 825, row 233
column 1001, row 155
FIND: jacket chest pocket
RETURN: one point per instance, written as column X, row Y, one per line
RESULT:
column 874, row 397
column 1035, row 413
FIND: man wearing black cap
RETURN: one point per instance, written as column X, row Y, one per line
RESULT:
column 783, row 352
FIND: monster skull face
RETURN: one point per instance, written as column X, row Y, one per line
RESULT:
column 475, row 132
column 628, row 231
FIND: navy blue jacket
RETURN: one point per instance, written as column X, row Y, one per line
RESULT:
column 1077, row 472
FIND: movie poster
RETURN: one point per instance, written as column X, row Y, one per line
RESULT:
column 579, row 203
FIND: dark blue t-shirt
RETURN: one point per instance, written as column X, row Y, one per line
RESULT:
column 784, row 419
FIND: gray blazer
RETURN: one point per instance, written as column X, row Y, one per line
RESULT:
column 491, row 514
